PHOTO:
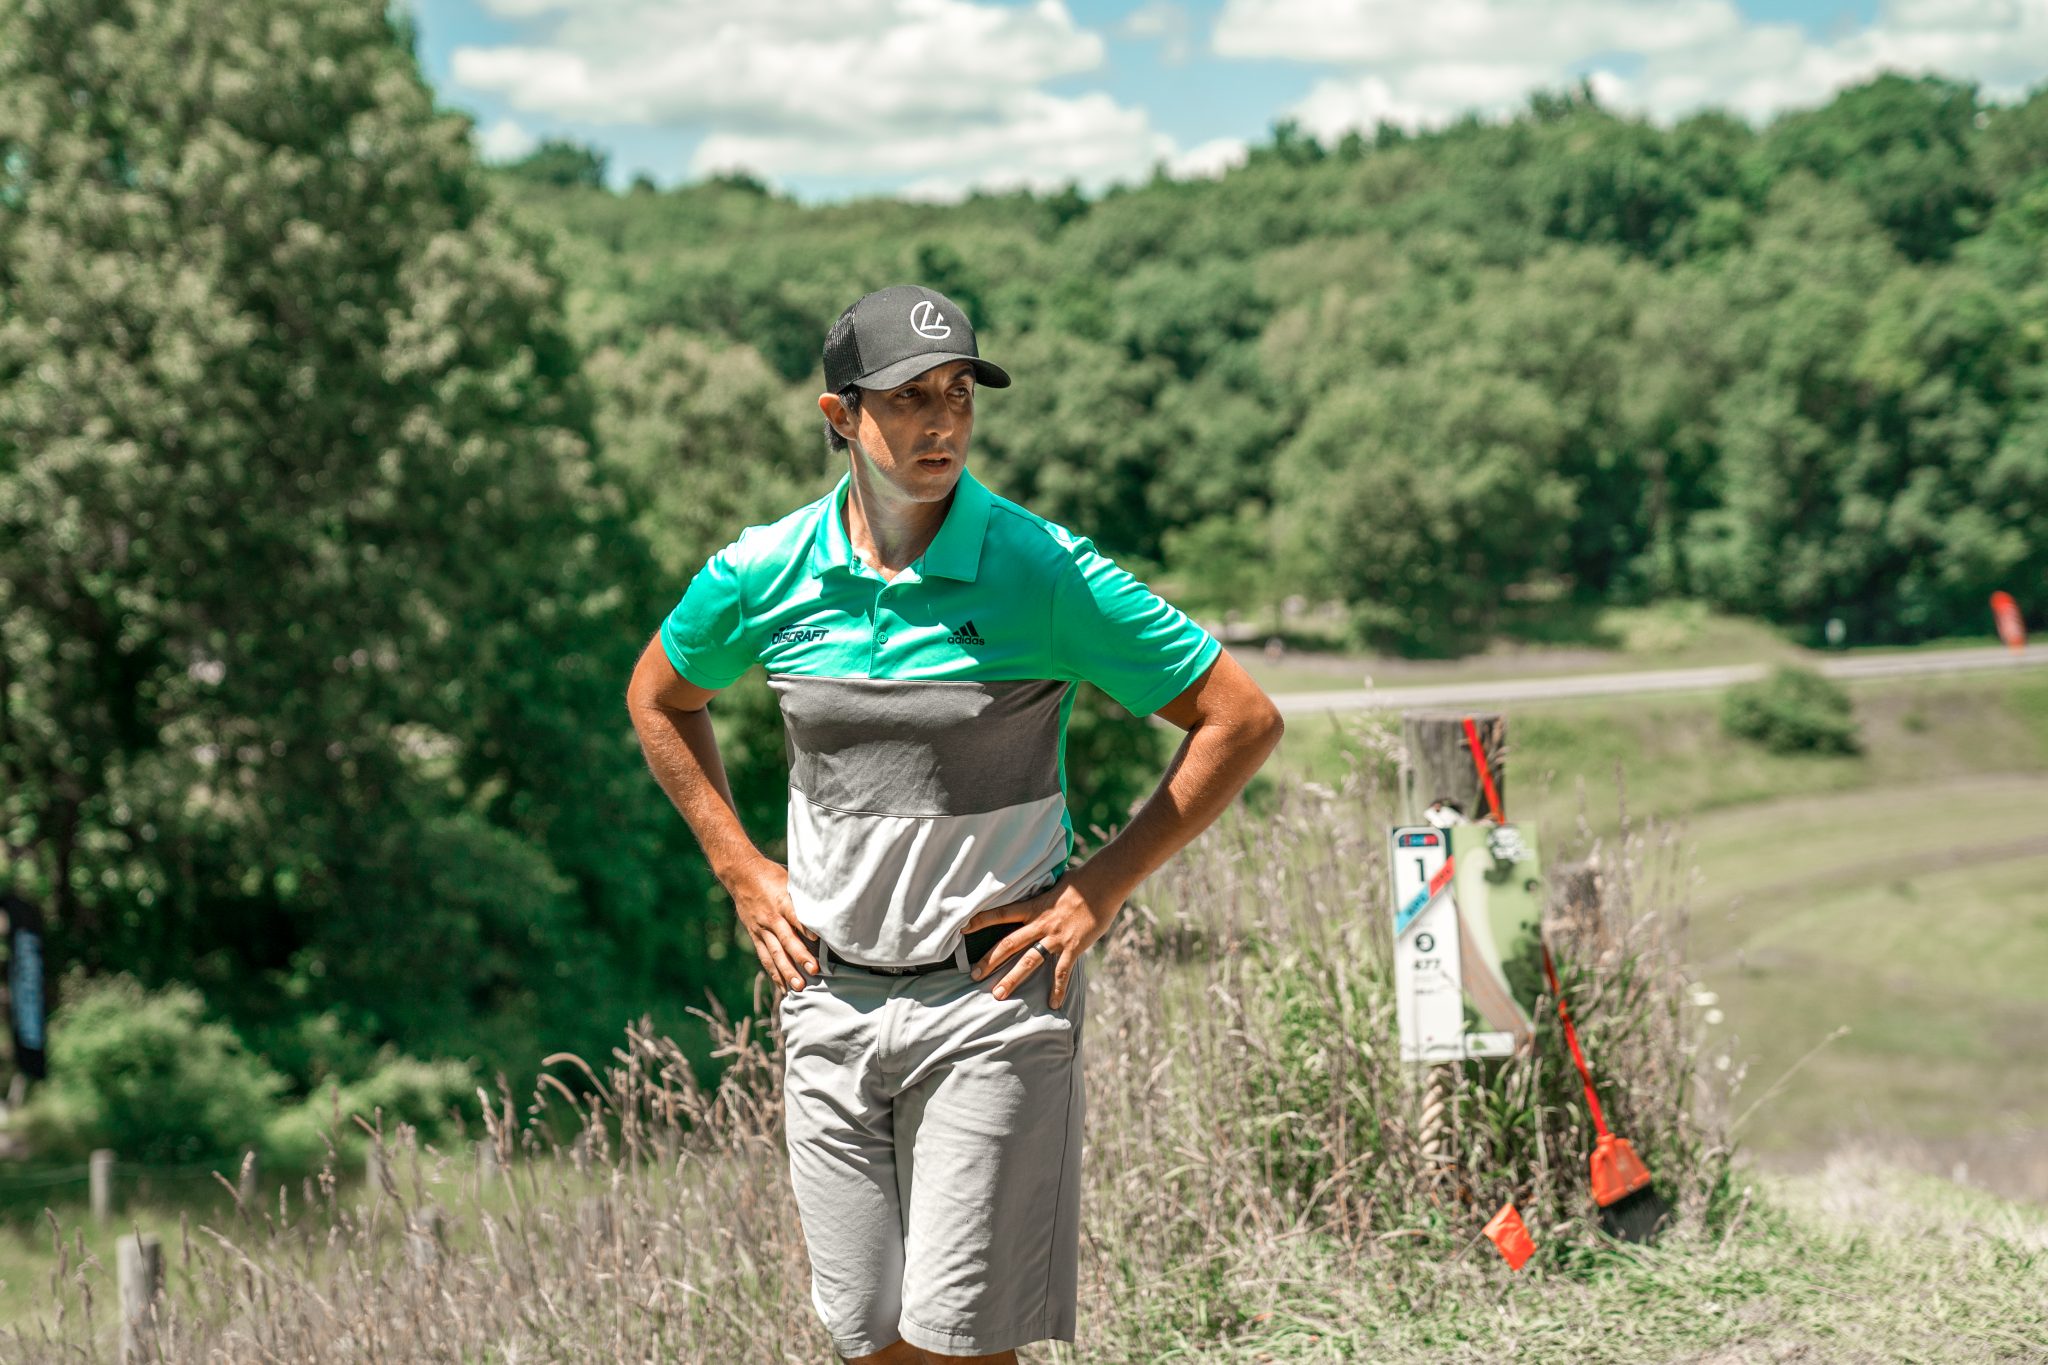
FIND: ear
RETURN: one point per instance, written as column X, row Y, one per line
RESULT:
column 836, row 414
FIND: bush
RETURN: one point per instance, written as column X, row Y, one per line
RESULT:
column 1794, row 710
column 400, row 1090
column 144, row 1072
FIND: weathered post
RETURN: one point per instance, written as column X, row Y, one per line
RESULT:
column 486, row 1161
column 423, row 1237
column 140, row 1260
column 1439, row 770
column 245, row 1182
column 1440, row 766
column 594, row 1223
column 99, row 1182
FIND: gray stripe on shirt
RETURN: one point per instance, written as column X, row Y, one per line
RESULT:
column 908, row 747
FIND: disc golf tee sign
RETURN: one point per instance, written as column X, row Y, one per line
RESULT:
column 1467, row 960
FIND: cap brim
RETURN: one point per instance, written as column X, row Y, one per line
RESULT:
column 986, row 373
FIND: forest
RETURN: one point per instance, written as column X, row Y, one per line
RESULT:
column 343, row 478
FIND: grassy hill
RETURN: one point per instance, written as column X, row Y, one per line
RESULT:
column 1894, row 893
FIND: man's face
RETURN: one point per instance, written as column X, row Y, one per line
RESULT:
column 914, row 435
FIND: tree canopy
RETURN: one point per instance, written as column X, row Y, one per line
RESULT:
column 342, row 479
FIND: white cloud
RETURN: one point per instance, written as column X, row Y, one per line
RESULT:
column 1208, row 161
column 1038, row 141
column 947, row 89
column 1166, row 22
column 1548, row 31
column 1415, row 64
column 505, row 140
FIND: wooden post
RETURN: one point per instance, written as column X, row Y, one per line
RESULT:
column 100, row 1185
column 245, row 1182
column 1439, row 768
column 486, row 1161
column 373, row 1174
column 423, row 1238
column 1575, row 906
column 594, row 1222
column 141, row 1272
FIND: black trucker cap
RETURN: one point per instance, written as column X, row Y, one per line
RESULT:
column 897, row 334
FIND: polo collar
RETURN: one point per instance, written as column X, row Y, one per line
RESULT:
column 955, row 552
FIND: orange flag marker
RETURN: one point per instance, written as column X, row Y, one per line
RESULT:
column 2006, row 613
column 1509, row 1233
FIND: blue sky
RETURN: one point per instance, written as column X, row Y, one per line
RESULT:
column 829, row 98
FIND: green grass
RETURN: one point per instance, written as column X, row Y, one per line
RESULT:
column 29, row 1258
column 1860, row 1262
column 1915, row 919
column 1668, row 756
column 1897, row 892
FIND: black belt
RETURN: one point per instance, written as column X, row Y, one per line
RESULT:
column 978, row 943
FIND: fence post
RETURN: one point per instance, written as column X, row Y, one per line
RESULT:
column 141, row 1271
column 245, row 1181
column 100, row 1185
column 423, row 1238
column 486, row 1161
column 594, row 1222
column 1440, row 767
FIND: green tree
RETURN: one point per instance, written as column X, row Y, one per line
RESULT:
column 563, row 163
column 1880, row 455
column 1904, row 146
column 1080, row 447
column 696, row 434
column 148, row 1075
column 1422, row 496
column 314, row 606
column 2014, row 149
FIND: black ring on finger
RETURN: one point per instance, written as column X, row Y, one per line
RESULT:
column 1045, row 954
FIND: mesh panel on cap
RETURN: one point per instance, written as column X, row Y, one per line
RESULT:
column 842, row 361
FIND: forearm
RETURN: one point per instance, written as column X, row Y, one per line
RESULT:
column 1214, row 762
column 682, row 752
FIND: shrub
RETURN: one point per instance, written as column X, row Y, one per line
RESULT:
column 1794, row 710
column 144, row 1072
column 400, row 1090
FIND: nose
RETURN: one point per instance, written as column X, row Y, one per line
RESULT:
column 939, row 419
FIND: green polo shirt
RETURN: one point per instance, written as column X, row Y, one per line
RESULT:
column 927, row 714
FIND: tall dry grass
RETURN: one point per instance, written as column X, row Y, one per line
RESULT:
column 1251, row 1136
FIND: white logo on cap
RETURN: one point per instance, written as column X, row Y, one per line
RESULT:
column 927, row 321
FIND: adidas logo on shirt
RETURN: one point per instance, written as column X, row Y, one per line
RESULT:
column 966, row 635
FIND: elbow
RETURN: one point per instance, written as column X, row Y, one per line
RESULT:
column 1258, row 728
column 1270, row 727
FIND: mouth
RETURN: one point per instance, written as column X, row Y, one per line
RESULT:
column 934, row 461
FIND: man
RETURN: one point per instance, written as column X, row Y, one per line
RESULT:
column 924, row 637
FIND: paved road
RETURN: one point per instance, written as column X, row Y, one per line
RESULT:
column 1498, row 690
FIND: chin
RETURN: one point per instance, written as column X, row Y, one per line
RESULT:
column 929, row 479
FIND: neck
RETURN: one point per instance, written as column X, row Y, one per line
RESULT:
column 886, row 528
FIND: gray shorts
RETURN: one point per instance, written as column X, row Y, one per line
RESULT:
column 935, row 1149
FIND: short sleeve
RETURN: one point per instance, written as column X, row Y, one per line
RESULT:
column 1111, row 630
column 705, row 636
